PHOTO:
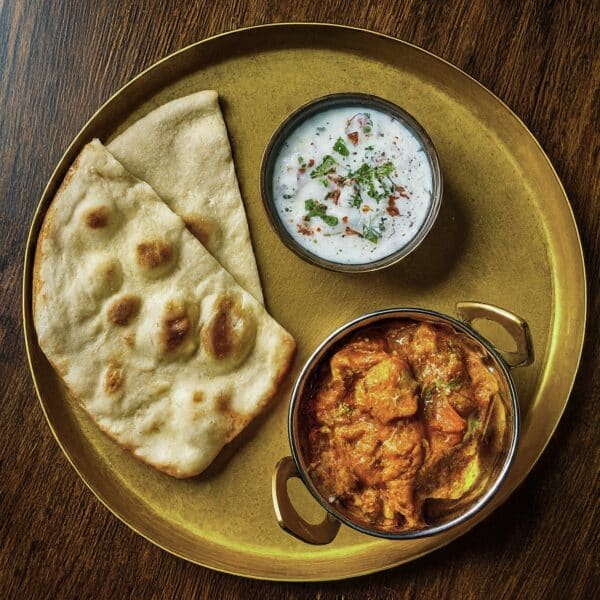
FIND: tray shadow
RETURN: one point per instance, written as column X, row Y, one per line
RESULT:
column 434, row 261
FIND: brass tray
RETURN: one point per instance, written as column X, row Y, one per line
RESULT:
column 505, row 235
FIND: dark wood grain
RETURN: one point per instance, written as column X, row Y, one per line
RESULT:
column 60, row 60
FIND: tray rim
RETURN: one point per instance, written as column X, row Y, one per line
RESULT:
column 29, row 330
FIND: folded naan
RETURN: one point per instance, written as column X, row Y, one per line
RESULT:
column 182, row 150
column 161, row 346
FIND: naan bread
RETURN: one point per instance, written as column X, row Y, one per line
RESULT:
column 181, row 149
column 166, row 352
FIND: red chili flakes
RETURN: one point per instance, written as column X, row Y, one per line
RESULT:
column 353, row 137
column 319, row 229
column 335, row 196
column 344, row 219
column 402, row 192
column 350, row 231
column 311, row 162
column 304, row 230
column 301, row 170
column 392, row 209
column 365, row 208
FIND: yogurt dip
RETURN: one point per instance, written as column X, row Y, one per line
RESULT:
column 352, row 185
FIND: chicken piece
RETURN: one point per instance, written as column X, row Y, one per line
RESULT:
column 369, row 504
column 445, row 427
column 358, row 444
column 388, row 390
column 330, row 406
column 357, row 356
column 435, row 357
column 440, row 367
column 398, row 337
column 402, row 452
column 424, row 344
column 398, row 499
column 336, row 479
column 402, row 455
column 484, row 383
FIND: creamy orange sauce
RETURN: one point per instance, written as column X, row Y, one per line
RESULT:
column 397, row 416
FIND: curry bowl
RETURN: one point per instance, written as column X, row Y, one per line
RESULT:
column 456, row 476
column 355, row 192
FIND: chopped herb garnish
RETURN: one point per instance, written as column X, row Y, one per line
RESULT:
column 384, row 170
column 367, row 129
column 367, row 176
column 370, row 148
column 341, row 148
column 301, row 160
column 356, row 201
column 371, row 234
column 330, row 220
column 314, row 209
column 325, row 167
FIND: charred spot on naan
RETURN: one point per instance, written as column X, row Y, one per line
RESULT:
column 96, row 218
column 113, row 378
column 176, row 327
column 223, row 402
column 155, row 257
column 229, row 334
column 153, row 254
column 124, row 309
column 206, row 229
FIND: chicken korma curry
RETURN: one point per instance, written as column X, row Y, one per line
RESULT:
column 403, row 424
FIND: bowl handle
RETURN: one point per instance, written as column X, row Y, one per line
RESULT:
column 288, row 518
column 516, row 327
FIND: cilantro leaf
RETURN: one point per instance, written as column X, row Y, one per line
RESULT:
column 325, row 167
column 371, row 234
column 314, row 209
column 356, row 201
column 330, row 220
column 384, row 170
column 372, row 178
column 341, row 148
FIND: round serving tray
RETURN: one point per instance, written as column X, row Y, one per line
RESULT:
column 505, row 235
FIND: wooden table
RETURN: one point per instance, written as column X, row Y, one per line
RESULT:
column 59, row 61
